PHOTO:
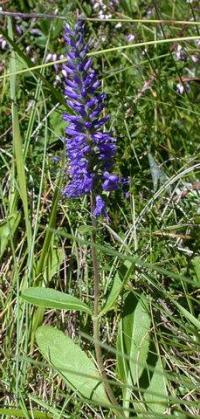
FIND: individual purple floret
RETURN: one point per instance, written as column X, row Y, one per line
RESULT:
column 100, row 208
column 90, row 150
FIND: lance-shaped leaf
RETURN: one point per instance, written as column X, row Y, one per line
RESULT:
column 72, row 363
column 136, row 323
column 156, row 395
column 50, row 298
column 133, row 344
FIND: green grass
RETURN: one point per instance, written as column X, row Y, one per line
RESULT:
column 149, row 251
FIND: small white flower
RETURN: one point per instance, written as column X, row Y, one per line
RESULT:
column 48, row 57
column 149, row 13
column 118, row 25
column 96, row 6
column 194, row 58
column 180, row 88
column 101, row 15
column 3, row 44
column 180, row 53
column 28, row 49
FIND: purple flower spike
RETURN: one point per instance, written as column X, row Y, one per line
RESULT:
column 90, row 150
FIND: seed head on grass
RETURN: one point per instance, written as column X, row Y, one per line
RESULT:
column 90, row 149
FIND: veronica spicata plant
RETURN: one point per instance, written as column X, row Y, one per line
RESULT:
column 90, row 149
column 91, row 152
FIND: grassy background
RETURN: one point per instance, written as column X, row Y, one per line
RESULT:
column 153, row 98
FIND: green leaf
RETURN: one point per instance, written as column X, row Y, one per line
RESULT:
column 119, row 281
column 55, row 258
column 122, row 367
column 50, row 298
column 122, row 370
column 132, row 343
column 156, row 396
column 72, row 363
column 136, row 331
column 112, row 297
